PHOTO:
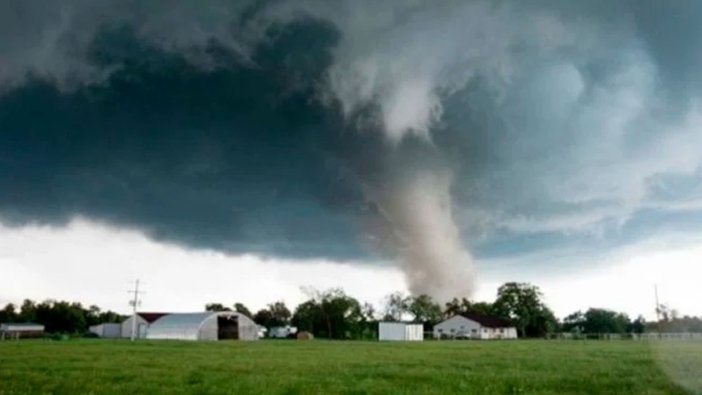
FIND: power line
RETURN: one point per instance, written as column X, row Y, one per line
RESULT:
column 135, row 302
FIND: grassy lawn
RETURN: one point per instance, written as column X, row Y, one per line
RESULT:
column 325, row 367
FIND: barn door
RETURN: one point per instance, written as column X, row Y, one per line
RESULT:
column 227, row 327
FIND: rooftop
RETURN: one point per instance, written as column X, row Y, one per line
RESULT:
column 489, row 321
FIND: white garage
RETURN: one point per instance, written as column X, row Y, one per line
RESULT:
column 400, row 331
column 224, row 325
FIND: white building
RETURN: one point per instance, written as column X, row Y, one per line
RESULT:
column 210, row 325
column 20, row 330
column 400, row 331
column 107, row 330
column 474, row 326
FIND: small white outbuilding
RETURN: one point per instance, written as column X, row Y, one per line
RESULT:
column 107, row 330
column 400, row 331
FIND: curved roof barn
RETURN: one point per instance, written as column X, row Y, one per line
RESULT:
column 223, row 325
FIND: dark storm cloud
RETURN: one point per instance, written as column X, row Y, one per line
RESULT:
column 237, row 158
column 288, row 127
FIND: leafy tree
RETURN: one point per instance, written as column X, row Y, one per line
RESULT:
column 110, row 317
column 264, row 317
column 61, row 316
column 638, row 325
column 666, row 313
column 28, row 311
column 396, row 305
column 331, row 314
column 276, row 314
column 456, row 306
column 545, row 322
column 341, row 313
column 368, row 311
column 308, row 317
column 574, row 322
column 280, row 313
column 521, row 304
column 605, row 321
column 424, row 310
column 92, row 316
column 216, row 307
column 482, row 308
column 8, row 313
column 241, row 309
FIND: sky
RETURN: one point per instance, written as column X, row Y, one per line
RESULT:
column 246, row 151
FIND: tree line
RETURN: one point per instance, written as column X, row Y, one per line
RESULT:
column 58, row 316
column 335, row 315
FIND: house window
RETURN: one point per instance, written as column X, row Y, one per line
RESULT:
column 474, row 330
column 502, row 330
column 441, row 331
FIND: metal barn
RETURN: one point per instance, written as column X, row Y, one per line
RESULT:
column 400, row 331
column 224, row 325
column 143, row 321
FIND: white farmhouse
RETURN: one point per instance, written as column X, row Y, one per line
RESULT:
column 474, row 326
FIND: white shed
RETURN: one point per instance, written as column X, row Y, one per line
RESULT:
column 107, row 330
column 224, row 325
column 20, row 330
column 400, row 331
column 474, row 326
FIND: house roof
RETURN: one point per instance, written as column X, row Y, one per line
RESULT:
column 489, row 321
column 151, row 317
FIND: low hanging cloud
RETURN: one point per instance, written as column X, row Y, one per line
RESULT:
column 346, row 129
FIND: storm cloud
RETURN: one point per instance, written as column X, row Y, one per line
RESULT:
column 354, row 128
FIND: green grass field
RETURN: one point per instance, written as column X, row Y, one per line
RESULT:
column 327, row 367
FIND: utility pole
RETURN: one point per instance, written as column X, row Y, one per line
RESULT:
column 135, row 302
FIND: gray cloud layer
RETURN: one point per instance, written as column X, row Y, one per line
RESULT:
column 282, row 127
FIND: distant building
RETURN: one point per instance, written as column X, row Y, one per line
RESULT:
column 282, row 332
column 400, row 331
column 20, row 330
column 107, row 330
column 474, row 326
column 223, row 325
